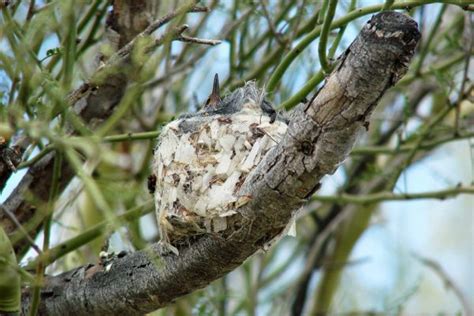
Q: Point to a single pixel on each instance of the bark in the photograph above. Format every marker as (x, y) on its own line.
(320, 136)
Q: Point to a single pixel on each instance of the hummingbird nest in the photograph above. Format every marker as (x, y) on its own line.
(202, 159)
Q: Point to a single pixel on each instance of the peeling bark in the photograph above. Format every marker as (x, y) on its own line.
(319, 138)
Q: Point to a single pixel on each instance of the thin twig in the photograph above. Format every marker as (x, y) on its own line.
(425, 131)
(168, 17)
(469, 38)
(373, 150)
(271, 25)
(22, 230)
(323, 39)
(345, 198)
(31, 10)
(448, 282)
(189, 39)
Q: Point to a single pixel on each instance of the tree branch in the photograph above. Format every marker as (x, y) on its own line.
(320, 136)
(389, 196)
(428, 145)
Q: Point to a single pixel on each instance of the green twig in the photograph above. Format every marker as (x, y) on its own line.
(375, 150)
(424, 132)
(465, 77)
(131, 136)
(107, 139)
(318, 77)
(133, 93)
(91, 12)
(40, 267)
(323, 39)
(69, 46)
(90, 185)
(388, 5)
(322, 12)
(439, 67)
(426, 47)
(299, 96)
(345, 198)
(90, 39)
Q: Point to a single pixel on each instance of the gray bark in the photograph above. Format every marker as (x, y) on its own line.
(320, 136)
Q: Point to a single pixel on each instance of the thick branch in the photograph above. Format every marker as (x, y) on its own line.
(320, 136)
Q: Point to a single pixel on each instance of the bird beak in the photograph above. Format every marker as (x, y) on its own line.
(214, 98)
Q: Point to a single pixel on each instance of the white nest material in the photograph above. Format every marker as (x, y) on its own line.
(201, 162)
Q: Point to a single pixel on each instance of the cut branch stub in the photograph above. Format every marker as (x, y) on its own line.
(319, 138)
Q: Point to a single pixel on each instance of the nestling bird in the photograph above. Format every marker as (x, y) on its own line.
(201, 160)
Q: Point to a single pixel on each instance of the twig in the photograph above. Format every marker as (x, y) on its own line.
(31, 10)
(345, 198)
(40, 267)
(426, 47)
(448, 282)
(433, 69)
(322, 12)
(189, 39)
(131, 136)
(309, 86)
(323, 39)
(465, 78)
(373, 150)
(195, 30)
(22, 230)
(168, 17)
(425, 131)
(312, 254)
(271, 25)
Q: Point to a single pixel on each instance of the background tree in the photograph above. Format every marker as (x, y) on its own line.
(86, 85)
